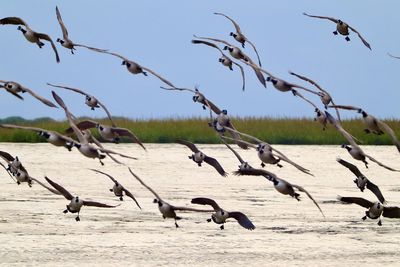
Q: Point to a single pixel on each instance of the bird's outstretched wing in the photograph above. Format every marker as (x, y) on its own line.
(60, 189)
(362, 39)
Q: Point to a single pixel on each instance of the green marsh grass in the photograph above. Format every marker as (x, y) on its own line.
(273, 130)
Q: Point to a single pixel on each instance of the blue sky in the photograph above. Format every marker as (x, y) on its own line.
(157, 35)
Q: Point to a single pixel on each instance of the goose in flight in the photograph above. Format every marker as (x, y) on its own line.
(83, 145)
(362, 181)
(281, 185)
(268, 154)
(135, 68)
(238, 54)
(118, 189)
(76, 202)
(342, 28)
(224, 59)
(29, 34)
(52, 137)
(354, 150)
(14, 88)
(373, 124)
(14, 164)
(375, 209)
(167, 210)
(109, 133)
(239, 36)
(220, 216)
(66, 42)
(200, 157)
(90, 100)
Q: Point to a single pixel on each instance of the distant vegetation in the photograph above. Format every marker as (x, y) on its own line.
(272, 130)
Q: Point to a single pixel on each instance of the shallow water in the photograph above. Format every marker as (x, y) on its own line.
(34, 231)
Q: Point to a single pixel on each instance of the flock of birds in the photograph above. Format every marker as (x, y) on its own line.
(79, 134)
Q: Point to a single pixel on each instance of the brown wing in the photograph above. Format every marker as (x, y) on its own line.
(211, 106)
(145, 185)
(107, 112)
(128, 133)
(190, 145)
(300, 188)
(345, 107)
(213, 39)
(69, 88)
(357, 200)
(375, 189)
(321, 17)
(129, 194)
(351, 167)
(5, 168)
(13, 20)
(45, 186)
(46, 37)
(6, 156)
(381, 164)
(114, 54)
(359, 35)
(242, 73)
(40, 98)
(208, 44)
(109, 176)
(60, 189)
(206, 201)
(236, 136)
(159, 77)
(390, 132)
(255, 50)
(60, 21)
(237, 28)
(391, 212)
(233, 151)
(91, 48)
(213, 162)
(104, 150)
(97, 204)
(390, 55)
(83, 125)
(12, 92)
(242, 219)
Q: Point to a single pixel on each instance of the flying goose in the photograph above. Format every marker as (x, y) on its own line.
(375, 209)
(76, 202)
(118, 189)
(373, 124)
(282, 186)
(90, 100)
(52, 137)
(14, 164)
(361, 181)
(244, 165)
(167, 210)
(66, 42)
(110, 133)
(265, 153)
(199, 157)
(239, 36)
(220, 216)
(325, 97)
(237, 53)
(14, 88)
(354, 150)
(342, 28)
(224, 59)
(83, 145)
(135, 68)
(390, 55)
(29, 34)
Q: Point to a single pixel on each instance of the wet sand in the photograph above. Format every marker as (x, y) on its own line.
(34, 231)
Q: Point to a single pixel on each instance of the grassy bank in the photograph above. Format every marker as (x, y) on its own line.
(276, 131)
